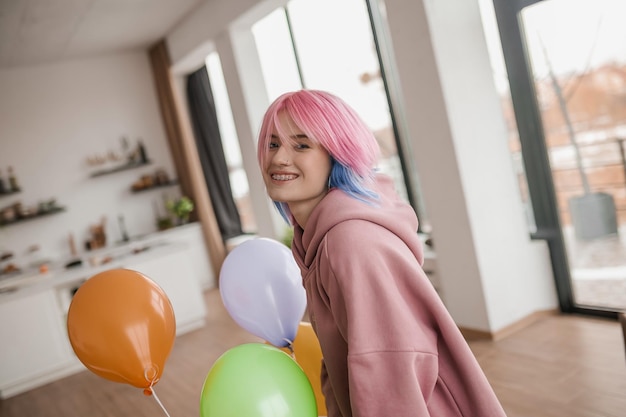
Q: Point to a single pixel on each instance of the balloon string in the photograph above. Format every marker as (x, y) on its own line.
(154, 394)
(151, 387)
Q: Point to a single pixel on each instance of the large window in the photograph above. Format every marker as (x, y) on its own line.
(304, 46)
(567, 115)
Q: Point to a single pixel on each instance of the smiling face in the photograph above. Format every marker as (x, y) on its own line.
(296, 169)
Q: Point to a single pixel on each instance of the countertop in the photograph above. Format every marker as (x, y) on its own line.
(29, 282)
(121, 253)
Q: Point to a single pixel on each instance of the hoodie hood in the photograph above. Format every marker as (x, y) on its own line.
(389, 211)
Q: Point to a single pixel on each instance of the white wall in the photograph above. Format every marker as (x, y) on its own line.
(52, 118)
(491, 273)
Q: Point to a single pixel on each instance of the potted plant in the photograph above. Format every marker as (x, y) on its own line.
(181, 208)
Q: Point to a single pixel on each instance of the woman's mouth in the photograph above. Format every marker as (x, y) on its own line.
(283, 177)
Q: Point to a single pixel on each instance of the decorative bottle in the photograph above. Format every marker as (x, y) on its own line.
(143, 157)
(13, 185)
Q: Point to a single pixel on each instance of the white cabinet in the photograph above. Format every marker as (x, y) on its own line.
(34, 348)
(173, 272)
(191, 236)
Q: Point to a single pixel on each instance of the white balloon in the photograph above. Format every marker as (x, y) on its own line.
(262, 290)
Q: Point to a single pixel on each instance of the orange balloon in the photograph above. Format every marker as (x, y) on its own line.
(121, 326)
(308, 354)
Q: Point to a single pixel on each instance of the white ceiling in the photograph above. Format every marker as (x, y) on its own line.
(39, 31)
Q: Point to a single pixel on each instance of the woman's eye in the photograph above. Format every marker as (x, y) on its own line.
(273, 145)
(302, 146)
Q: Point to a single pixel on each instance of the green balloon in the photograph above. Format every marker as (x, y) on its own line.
(257, 380)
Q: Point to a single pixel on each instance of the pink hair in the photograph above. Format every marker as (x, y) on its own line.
(325, 119)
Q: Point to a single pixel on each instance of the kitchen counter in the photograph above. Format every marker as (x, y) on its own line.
(120, 254)
(28, 282)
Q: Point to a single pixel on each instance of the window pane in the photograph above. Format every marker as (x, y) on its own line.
(579, 73)
(333, 52)
(322, 40)
(278, 62)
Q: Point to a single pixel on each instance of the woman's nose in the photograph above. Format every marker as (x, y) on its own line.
(282, 156)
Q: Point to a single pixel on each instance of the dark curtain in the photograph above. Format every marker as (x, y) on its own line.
(183, 149)
(211, 153)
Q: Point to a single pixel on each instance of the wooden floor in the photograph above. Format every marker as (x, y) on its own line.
(561, 366)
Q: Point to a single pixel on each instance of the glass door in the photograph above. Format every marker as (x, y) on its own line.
(566, 62)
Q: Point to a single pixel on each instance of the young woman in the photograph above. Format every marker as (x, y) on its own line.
(390, 346)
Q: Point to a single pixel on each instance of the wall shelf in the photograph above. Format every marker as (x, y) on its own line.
(131, 165)
(50, 212)
(167, 184)
(6, 193)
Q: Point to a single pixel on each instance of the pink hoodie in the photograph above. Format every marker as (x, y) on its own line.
(390, 346)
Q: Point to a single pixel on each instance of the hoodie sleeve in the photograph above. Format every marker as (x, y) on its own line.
(379, 298)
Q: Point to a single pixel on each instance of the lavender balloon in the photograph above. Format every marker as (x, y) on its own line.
(262, 290)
